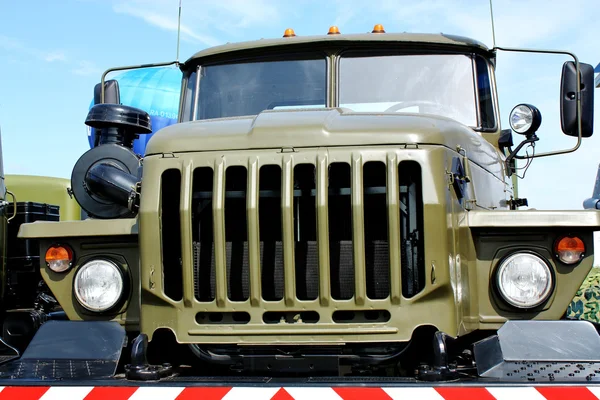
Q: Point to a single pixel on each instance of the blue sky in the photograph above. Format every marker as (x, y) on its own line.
(53, 52)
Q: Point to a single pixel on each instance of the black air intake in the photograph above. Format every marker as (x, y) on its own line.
(105, 179)
(118, 124)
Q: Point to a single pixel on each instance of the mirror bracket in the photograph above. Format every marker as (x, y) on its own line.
(531, 138)
(577, 99)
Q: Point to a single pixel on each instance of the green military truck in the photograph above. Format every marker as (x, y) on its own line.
(327, 206)
(26, 302)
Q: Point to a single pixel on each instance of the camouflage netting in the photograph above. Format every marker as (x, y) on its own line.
(586, 304)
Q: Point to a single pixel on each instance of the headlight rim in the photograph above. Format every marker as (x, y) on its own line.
(518, 307)
(124, 285)
(536, 119)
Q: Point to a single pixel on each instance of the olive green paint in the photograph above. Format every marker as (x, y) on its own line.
(267, 46)
(45, 189)
(464, 239)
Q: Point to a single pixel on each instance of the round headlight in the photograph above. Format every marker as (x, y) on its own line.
(525, 119)
(524, 280)
(98, 285)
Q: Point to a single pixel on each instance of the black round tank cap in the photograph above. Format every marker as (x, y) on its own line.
(108, 115)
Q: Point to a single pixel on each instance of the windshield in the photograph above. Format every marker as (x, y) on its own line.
(440, 84)
(231, 90)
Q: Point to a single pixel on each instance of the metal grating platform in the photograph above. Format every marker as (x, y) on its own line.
(547, 372)
(57, 369)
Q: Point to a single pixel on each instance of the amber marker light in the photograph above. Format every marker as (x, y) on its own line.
(569, 249)
(59, 258)
(333, 30)
(289, 32)
(378, 29)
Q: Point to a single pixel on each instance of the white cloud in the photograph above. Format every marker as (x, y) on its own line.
(163, 21)
(207, 17)
(9, 43)
(521, 23)
(344, 14)
(55, 56)
(14, 45)
(86, 68)
(244, 13)
(517, 22)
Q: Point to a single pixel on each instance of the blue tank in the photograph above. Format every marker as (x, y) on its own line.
(154, 90)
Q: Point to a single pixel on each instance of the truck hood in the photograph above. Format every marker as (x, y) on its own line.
(318, 128)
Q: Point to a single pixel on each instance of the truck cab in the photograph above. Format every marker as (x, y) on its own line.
(326, 204)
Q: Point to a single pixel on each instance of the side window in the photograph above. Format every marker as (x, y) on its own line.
(484, 87)
(188, 100)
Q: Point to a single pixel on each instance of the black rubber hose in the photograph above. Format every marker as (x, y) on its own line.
(57, 315)
(112, 183)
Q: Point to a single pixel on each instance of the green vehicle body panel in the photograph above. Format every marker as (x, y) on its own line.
(456, 298)
(322, 128)
(27, 188)
(116, 239)
(45, 189)
(87, 227)
(264, 46)
(463, 240)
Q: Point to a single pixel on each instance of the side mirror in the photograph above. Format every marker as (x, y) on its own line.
(568, 100)
(111, 92)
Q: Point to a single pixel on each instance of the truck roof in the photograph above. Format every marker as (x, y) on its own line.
(412, 38)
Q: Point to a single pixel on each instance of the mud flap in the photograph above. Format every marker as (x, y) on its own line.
(70, 350)
(541, 351)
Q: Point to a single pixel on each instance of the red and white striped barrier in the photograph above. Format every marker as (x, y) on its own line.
(299, 393)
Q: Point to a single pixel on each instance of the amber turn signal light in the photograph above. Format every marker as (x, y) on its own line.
(59, 258)
(378, 29)
(569, 249)
(289, 32)
(333, 30)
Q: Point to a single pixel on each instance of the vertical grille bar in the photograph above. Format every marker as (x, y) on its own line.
(358, 231)
(253, 231)
(219, 232)
(287, 218)
(323, 230)
(393, 205)
(187, 251)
